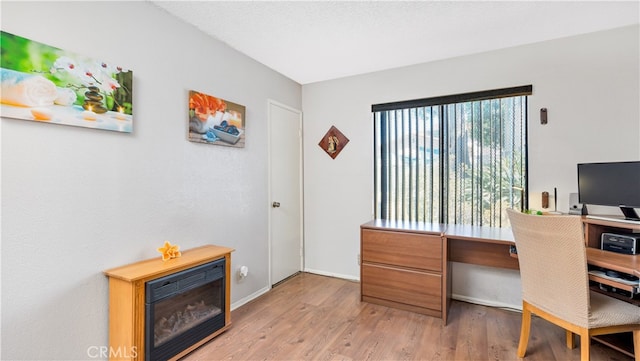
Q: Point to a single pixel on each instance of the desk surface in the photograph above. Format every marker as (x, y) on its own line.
(479, 233)
(457, 231)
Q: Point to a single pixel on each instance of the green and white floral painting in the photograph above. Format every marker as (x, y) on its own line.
(47, 84)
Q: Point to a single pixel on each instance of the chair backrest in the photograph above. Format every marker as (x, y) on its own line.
(553, 264)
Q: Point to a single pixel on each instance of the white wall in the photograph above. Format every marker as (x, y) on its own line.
(589, 84)
(77, 201)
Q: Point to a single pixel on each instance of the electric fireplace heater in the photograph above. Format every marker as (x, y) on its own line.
(183, 308)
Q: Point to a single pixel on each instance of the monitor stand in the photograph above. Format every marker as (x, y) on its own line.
(629, 213)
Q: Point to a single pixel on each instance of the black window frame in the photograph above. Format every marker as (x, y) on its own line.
(442, 102)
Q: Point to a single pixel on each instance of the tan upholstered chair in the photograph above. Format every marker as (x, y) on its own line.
(555, 283)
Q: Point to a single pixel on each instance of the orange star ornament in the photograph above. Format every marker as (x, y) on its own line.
(169, 251)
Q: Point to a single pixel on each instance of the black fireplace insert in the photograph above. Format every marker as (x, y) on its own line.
(183, 308)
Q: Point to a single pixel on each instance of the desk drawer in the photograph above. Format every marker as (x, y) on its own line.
(403, 286)
(402, 249)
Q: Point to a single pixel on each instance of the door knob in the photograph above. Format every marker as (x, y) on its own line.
(275, 204)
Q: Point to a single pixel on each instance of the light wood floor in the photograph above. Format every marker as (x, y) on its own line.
(311, 317)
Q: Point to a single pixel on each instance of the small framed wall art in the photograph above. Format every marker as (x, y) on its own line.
(215, 121)
(333, 142)
(51, 85)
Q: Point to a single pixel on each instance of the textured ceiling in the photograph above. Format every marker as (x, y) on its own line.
(310, 41)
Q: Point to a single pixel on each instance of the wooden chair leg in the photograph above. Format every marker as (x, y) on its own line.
(585, 343)
(571, 340)
(636, 344)
(524, 330)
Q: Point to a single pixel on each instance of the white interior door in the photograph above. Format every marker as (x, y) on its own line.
(285, 191)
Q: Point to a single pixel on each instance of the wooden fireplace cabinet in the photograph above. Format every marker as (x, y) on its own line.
(127, 299)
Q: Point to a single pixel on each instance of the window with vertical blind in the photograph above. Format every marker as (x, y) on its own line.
(452, 159)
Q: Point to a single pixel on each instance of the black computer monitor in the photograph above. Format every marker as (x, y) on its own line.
(611, 184)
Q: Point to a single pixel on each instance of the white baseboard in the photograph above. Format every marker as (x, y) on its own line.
(484, 302)
(336, 275)
(250, 298)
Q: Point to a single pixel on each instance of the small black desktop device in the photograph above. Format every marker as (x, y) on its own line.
(614, 184)
(626, 243)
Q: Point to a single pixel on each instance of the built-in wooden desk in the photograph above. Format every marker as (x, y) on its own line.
(381, 240)
(404, 265)
(407, 264)
(486, 246)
